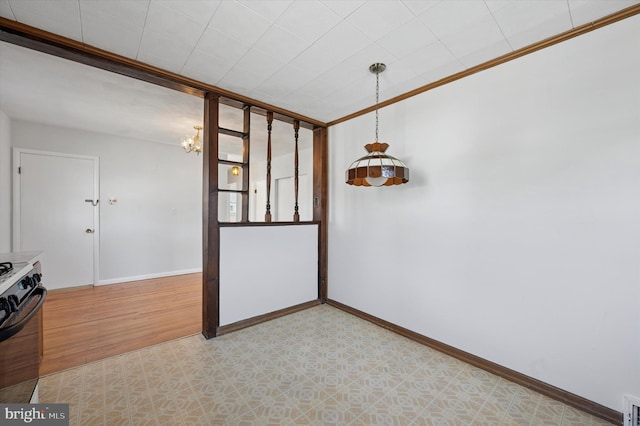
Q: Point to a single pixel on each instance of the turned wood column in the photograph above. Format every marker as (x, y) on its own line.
(296, 128)
(267, 215)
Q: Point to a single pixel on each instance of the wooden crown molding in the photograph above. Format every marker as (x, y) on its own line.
(583, 29)
(47, 42)
(57, 45)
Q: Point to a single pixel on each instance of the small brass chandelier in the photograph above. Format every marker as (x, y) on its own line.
(192, 144)
(377, 168)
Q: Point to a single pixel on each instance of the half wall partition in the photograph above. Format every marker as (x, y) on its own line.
(264, 232)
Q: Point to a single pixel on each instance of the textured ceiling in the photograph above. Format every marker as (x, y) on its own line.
(307, 56)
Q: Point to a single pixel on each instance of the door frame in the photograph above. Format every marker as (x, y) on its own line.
(17, 198)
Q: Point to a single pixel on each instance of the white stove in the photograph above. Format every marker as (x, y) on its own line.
(13, 273)
(22, 295)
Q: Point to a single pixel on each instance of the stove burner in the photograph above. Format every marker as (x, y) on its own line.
(5, 268)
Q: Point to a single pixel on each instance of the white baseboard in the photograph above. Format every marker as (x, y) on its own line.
(148, 276)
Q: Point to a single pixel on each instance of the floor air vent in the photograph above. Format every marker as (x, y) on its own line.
(632, 411)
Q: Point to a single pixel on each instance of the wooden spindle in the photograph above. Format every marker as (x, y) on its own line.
(296, 128)
(267, 215)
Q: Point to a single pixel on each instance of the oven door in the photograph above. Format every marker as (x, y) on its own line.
(21, 350)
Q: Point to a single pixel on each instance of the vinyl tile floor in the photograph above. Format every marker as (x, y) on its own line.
(320, 366)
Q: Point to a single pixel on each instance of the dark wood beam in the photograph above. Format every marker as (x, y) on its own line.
(63, 47)
(210, 228)
(320, 205)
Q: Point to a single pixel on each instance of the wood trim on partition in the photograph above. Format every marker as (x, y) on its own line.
(210, 228)
(266, 317)
(246, 146)
(267, 215)
(536, 385)
(321, 205)
(583, 29)
(251, 224)
(57, 45)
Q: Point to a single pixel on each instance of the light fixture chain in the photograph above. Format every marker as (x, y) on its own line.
(377, 98)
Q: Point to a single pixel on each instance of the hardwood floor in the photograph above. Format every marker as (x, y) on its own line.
(86, 324)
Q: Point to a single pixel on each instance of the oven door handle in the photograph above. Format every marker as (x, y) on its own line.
(7, 332)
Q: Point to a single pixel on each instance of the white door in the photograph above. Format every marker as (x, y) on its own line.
(285, 199)
(55, 214)
(259, 201)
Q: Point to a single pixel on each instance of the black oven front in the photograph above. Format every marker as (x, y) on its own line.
(21, 297)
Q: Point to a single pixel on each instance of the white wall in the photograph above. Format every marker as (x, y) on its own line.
(266, 268)
(518, 237)
(155, 227)
(5, 183)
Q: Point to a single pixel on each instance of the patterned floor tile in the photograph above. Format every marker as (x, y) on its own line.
(320, 366)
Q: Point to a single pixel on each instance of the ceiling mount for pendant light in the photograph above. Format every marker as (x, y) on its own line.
(377, 168)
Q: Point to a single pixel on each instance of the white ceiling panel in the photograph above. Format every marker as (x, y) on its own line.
(5, 10)
(371, 54)
(203, 66)
(427, 58)
(199, 11)
(449, 17)
(342, 42)
(260, 63)
(485, 53)
(359, 93)
(60, 17)
(163, 51)
(585, 11)
(515, 17)
(407, 38)
(308, 19)
(437, 73)
(118, 29)
(281, 83)
(525, 22)
(546, 29)
(219, 44)
(325, 85)
(169, 23)
(112, 38)
(308, 56)
(239, 22)
(343, 8)
(120, 13)
(479, 34)
(242, 79)
(377, 18)
(271, 10)
(275, 38)
(419, 6)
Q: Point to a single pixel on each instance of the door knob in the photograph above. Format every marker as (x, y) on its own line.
(89, 231)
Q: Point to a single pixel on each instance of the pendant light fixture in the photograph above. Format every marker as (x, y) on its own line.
(377, 168)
